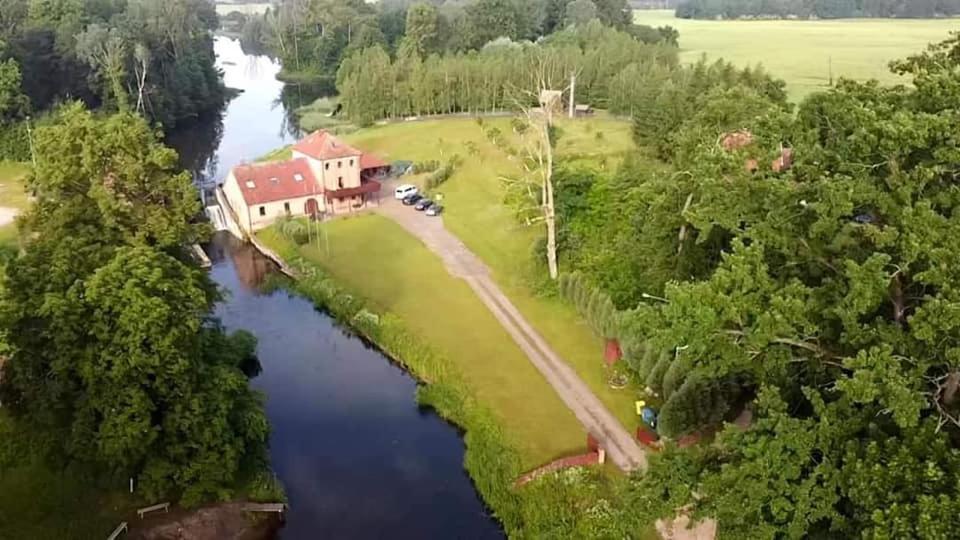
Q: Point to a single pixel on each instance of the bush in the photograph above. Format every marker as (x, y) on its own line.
(14, 142)
(444, 173)
(428, 166)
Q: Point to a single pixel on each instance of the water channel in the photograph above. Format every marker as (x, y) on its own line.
(358, 457)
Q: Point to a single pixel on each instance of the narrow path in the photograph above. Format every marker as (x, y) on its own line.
(461, 262)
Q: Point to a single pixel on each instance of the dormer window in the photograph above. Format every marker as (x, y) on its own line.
(250, 184)
(274, 180)
(298, 177)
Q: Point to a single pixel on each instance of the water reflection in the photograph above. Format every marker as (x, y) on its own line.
(356, 454)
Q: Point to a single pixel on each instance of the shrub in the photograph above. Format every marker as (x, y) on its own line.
(427, 166)
(444, 173)
(14, 142)
(519, 125)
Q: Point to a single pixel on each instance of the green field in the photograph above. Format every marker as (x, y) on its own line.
(801, 52)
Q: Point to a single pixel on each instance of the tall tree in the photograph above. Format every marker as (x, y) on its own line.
(105, 49)
(114, 355)
(422, 29)
(580, 12)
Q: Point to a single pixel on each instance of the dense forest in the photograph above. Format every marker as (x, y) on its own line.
(820, 9)
(155, 58)
(313, 38)
(791, 263)
(614, 70)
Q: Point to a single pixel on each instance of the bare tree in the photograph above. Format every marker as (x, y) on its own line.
(141, 53)
(539, 164)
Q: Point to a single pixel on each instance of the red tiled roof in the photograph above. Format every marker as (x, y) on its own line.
(322, 145)
(269, 182)
(370, 186)
(370, 161)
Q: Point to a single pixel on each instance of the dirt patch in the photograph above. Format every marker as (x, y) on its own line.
(217, 522)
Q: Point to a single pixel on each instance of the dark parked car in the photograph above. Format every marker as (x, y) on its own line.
(423, 205)
(411, 200)
(434, 210)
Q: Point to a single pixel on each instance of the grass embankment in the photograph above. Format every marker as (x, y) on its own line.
(476, 213)
(426, 305)
(374, 258)
(801, 52)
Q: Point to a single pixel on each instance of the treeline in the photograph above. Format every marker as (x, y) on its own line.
(788, 266)
(820, 9)
(496, 78)
(614, 71)
(314, 37)
(145, 55)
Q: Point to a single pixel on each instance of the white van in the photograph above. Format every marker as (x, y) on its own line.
(404, 191)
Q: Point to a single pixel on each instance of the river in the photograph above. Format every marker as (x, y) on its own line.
(356, 454)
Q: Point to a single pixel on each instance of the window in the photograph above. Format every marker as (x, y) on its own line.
(274, 180)
(339, 164)
(263, 210)
(250, 184)
(326, 166)
(298, 177)
(340, 181)
(286, 207)
(351, 163)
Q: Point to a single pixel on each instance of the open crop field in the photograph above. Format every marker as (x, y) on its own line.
(801, 52)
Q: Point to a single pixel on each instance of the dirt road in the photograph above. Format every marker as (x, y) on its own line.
(461, 262)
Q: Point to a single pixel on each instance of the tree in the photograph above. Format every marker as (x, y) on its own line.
(580, 12)
(106, 51)
(833, 315)
(13, 104)
(491, 19)
(422, 29)
(115, 358)
(615, 13)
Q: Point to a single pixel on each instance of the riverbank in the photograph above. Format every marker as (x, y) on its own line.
(569, 504)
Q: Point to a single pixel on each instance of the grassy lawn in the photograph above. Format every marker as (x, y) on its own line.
(374, 257)
(800, 52)
(476, 214)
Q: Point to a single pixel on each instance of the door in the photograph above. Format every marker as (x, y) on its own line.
(311, 208)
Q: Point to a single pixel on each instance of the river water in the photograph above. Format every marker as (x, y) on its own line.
(356, 454)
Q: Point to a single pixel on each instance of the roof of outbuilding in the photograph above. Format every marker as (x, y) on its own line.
(270, 182)
(370, 161)
(323, 145)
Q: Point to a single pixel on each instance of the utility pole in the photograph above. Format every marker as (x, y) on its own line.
(573, 91)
